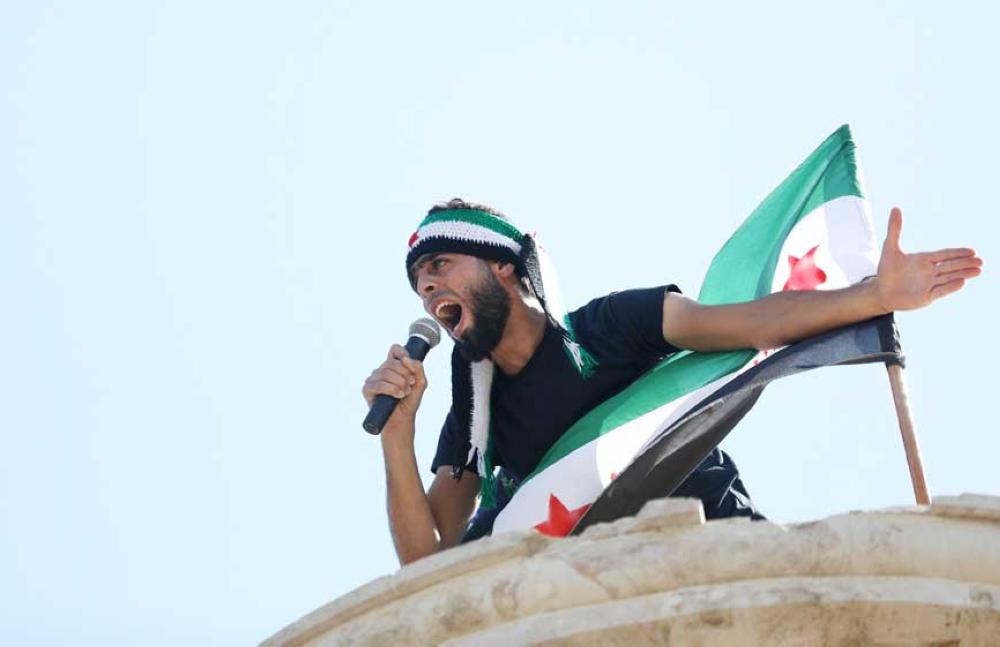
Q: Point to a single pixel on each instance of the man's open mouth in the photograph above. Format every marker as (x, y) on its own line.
(449, 314)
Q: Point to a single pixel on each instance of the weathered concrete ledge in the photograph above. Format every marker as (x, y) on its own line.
(774, 612)
(918, 575)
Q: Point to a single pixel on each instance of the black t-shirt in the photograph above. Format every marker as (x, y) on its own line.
(531, 410)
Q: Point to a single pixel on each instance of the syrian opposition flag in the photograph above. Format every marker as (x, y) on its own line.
(814, 232)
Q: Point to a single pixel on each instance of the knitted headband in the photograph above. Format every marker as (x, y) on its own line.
(466, 231)
(485, 235)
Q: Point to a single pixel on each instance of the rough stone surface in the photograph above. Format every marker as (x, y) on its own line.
(657, 515)
(967, 506)
(783, 611)
(905, 576)
(410, 579)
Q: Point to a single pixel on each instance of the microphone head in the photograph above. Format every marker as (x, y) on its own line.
(428, 329)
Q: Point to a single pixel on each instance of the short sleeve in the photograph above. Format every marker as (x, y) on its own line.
(449, 445)
(624, 327)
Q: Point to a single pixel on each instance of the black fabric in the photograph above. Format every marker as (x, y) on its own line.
(716, 482)
(531, 410)
(459, 417)
(482, 521)
(485, 251)
(681, 446)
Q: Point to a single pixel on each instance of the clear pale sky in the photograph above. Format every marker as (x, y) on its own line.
(204, 208)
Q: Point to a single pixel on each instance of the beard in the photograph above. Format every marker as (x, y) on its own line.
(490, 306)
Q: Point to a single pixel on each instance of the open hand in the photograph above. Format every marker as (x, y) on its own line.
(909, 281)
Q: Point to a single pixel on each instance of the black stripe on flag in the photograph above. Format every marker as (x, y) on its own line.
(679, 449)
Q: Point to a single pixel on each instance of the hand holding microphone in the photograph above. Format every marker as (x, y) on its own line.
(400, 380)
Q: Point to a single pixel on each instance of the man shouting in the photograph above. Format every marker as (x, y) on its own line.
(523, 373)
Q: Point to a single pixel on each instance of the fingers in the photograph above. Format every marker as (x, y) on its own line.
(959, 268)
(959, 263)
(947, 288)
(967, 273)
(400, 362)
(374, 387)
(398, 376)
(416, 370)
(943, 255)
(397, 352)
(895, 228)
(952, 273)
(388, 382)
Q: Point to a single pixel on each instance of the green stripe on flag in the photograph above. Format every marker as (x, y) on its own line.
(672, 378)
(742, 270)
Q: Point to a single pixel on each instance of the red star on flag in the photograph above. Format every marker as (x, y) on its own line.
(561, 520)
(804, 273)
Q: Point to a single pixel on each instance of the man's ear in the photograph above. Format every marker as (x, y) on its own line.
(506, 273)
(503, 270)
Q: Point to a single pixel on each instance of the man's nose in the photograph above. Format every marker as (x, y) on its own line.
(425, 284)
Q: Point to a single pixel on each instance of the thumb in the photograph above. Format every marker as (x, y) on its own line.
(895, 228)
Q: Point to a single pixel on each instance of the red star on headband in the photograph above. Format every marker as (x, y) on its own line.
(805, 275)
(413, 239)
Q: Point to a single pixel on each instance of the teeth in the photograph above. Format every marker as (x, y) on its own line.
(441, 306)
(449, 313)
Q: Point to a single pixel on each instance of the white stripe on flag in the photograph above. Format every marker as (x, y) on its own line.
(841, 234)
(842, 230)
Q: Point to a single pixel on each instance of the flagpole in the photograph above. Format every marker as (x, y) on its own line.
(909, 433)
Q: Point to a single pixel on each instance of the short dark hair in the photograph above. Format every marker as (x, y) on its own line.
(459, 203)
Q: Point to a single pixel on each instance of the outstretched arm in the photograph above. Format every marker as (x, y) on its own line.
(904, 282)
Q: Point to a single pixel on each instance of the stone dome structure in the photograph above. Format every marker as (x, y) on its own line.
(927, 576)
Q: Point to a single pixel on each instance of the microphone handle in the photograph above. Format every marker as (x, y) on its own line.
(383, 405)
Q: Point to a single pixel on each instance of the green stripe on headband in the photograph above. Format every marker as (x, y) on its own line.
(475, 217)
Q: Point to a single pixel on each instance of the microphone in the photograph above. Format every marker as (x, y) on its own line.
(424, 335)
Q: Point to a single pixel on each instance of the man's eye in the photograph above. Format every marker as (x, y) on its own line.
(438, 263)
